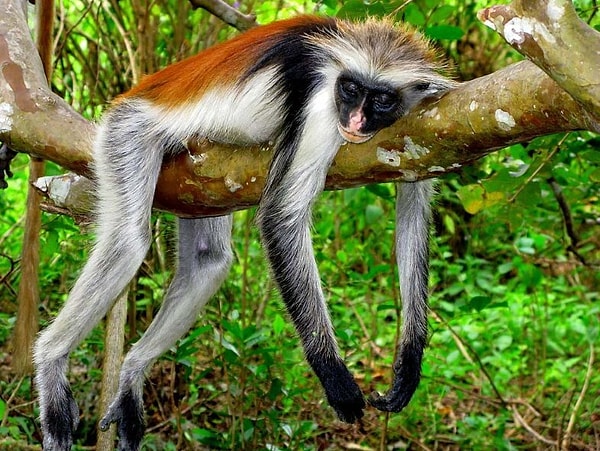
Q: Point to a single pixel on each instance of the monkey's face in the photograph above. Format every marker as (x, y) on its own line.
(365, 108)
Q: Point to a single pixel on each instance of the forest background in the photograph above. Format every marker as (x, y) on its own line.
(515, 292)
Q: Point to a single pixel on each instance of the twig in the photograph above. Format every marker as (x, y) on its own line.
(11, 229)
(227, 13)
(586, 384)
(538, 169)
(413, 439)
(567, 219)
(457, 340)
(363, 326)
(9, 400)
(383, 436)
(520, 420)
(400, 8)
(478, 361)
(128, 45)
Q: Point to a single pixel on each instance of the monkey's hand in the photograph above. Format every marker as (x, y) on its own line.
(342, 392)
(6, 155)
(127, 411)
(407, 374)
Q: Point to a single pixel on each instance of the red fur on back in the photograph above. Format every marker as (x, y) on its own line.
(221, 65)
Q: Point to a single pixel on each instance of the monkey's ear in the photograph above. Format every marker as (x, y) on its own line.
(433, 87)
(414, 93)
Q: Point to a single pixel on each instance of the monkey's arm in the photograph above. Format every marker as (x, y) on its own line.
(287, 242)
(296, 176)
(413, 215)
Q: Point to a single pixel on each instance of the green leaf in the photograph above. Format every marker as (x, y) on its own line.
(503, 342)
(478, 303)
(228, 345)
(590, 155)
(505, 268)
(525, 245)
(351, 195)
(444, 32)
(449, 224)
(287, 429)
(278, 325)
(276, 389)
(373, 213)
(356, 9)
(471, 197)
(441, 14)
(388, 305)
(414, 16)
(530, 275)
(383, 190)
(202, 435)
(595, 176)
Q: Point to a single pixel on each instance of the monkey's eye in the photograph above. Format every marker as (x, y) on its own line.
(350, 88)
(384, 102)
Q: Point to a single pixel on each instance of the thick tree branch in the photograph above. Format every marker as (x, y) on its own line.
(32, 118)
(509, 106)
(549, 33)
(512, 105)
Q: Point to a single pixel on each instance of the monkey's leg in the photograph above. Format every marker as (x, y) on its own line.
(413, 215)
(284, 219)
(203, 263)
(127, 168)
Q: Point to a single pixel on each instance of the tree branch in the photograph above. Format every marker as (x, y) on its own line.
(32, 118)
(512, 105)
(550, 34)
(227, 13)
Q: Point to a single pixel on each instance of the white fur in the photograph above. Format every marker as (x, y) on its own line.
(250, 114)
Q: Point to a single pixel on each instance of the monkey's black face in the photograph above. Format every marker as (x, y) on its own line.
(365, 108)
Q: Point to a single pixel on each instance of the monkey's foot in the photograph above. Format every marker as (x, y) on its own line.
(343, 393)
(6, 155)
(406, 381)
(59, 420)
(128, 412)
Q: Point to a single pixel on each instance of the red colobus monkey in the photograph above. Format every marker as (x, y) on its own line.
(305, 84)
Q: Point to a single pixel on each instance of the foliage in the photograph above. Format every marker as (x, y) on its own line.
(515, 299)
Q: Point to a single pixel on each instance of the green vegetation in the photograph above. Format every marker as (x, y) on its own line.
(513, 356)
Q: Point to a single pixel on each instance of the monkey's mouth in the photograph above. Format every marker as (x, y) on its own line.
(352, 136)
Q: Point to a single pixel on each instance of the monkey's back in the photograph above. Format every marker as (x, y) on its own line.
(226, 63)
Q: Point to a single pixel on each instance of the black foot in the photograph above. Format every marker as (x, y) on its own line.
(6, 155)
(59, 420)
(128, 412)
(392, 401)
(406, 381)
(343, 393)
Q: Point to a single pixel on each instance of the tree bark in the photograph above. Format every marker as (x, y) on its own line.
(27, 324)
(550, 34)
(512, 105)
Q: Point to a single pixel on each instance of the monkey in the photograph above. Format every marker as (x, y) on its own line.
(306, 85)
(6, 156)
